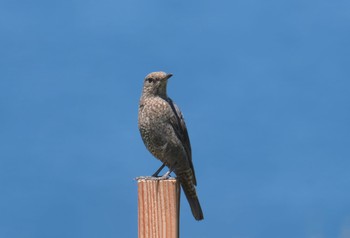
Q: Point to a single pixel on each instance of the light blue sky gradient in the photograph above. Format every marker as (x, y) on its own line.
(264, 87)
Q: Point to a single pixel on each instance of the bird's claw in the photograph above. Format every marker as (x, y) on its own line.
(164, 177)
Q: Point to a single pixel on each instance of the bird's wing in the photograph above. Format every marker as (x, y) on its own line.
(178, 123)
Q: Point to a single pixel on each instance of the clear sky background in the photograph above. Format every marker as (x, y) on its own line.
(264, 87)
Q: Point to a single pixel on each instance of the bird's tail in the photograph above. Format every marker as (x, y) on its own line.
(189, 189)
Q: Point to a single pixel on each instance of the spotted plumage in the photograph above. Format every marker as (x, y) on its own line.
(164, 133)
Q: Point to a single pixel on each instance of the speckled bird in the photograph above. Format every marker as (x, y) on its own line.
(164, 133)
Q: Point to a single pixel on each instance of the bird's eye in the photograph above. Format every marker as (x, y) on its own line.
(150, 80)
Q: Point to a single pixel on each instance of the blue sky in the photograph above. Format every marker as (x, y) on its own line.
(264, 87)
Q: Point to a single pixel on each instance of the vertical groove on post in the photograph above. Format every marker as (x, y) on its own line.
(158, 208)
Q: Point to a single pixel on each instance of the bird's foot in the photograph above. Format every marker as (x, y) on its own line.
(155, 176)
(164, 177)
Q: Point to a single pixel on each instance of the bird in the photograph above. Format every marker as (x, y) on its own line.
(164, 133)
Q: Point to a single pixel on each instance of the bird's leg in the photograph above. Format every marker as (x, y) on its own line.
(155, 175)
(158, 171)
(167, 174)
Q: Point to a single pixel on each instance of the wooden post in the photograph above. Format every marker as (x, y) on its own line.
(158, 208)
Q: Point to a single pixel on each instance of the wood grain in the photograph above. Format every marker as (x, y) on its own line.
(158, 208)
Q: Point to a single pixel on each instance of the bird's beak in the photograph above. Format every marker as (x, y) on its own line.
(168, 76)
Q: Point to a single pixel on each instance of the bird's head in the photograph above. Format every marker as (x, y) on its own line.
(155, 84)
